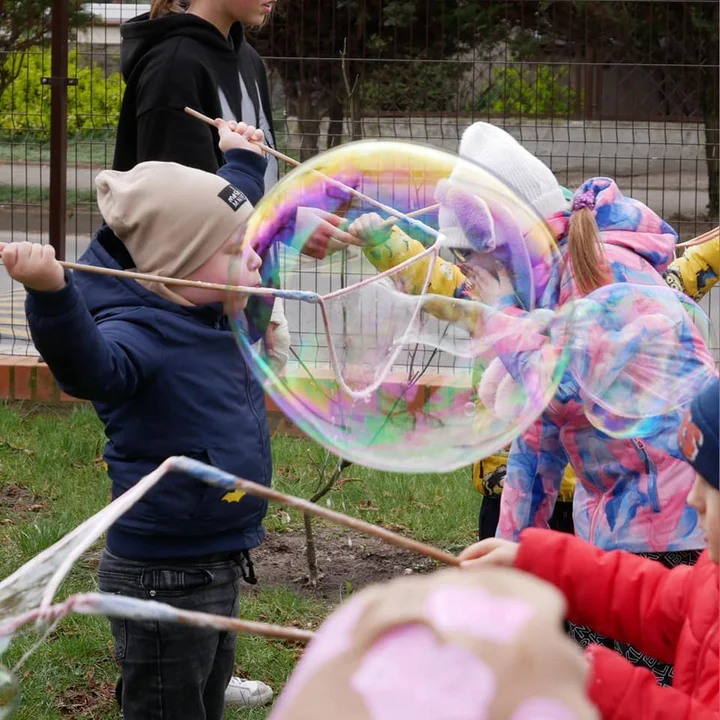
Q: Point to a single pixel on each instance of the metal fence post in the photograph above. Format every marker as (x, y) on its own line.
(58, 124)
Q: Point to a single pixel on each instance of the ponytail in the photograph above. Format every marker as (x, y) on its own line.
(158, 8)
(587, 258)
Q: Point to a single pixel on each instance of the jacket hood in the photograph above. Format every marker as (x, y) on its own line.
(141, 34)
(622, 222)
(110, 296)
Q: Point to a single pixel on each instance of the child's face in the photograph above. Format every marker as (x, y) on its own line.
(232, 264)
(706, 500)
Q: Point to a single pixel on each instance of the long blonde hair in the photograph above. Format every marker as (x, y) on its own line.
(587, 256)
(158, 8)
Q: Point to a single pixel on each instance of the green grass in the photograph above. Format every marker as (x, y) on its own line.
(52, 457)
(33, 195)
(439, 509)
(97, 151)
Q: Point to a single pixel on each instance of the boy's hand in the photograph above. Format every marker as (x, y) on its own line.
(34, 265)
(239, 136)
(493, 551)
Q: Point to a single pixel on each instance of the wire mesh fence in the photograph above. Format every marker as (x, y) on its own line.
(600, 87)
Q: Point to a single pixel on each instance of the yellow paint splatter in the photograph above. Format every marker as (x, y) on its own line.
(234, 496)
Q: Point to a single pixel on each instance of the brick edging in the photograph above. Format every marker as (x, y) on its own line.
(29, 379)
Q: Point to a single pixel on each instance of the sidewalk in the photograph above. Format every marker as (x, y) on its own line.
(36, 175)
(669, 194)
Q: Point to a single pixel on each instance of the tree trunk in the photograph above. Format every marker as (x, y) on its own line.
(308, 124)
(326, 487)
(712, 156)
(310, 553)
(709, 99)
(337, 116)
(356, 116)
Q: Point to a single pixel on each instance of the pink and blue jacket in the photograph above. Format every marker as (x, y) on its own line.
(631, 494)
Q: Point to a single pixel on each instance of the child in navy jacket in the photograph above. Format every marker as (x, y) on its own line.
(164, 374)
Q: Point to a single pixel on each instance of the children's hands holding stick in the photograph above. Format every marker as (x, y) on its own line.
(370, 229)
(493, 551)
(239, 136)
(34, 265)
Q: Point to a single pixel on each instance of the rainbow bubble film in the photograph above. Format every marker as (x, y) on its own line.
(639, 353)
(402, 361)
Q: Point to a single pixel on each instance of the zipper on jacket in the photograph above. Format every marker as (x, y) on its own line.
(248, 395)
(594, 518)
(651, 472)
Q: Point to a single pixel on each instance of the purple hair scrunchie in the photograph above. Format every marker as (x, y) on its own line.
(584, 200)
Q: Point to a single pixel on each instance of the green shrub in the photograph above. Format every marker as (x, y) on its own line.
(530, 89)
(93, 104)
(412, 86)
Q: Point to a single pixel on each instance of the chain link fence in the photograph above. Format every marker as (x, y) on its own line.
(598, 87)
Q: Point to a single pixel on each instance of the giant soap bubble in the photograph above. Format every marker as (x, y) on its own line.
(639, 353)
(398, 367)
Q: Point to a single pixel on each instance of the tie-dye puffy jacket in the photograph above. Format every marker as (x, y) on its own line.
(631, 494)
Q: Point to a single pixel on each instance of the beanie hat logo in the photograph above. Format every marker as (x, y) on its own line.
(691, 438)
(233, 197)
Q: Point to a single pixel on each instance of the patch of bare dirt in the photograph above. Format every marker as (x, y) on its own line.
(92, 700)
(348, 561)
(16, 499)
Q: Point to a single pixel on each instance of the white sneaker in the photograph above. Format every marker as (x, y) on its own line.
(247, 693)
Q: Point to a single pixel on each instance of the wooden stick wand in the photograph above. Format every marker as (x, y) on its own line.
(219, 478)
(292, 161)
(147, 277)
(713, 234)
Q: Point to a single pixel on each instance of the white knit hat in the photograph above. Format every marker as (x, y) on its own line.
(499, 152)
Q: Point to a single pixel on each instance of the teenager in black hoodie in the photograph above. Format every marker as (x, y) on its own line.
(194, 54)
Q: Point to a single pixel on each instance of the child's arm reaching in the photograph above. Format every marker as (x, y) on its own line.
(245, 161)
(387, 248)
(629, 598)
(87, 362)
(697, 271)
(622, 691)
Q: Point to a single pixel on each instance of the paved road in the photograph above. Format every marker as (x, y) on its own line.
(668, 194)
(36, 175)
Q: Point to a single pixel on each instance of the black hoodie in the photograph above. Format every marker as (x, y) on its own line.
(176, 61)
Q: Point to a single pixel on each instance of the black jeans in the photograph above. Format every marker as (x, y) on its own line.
(171, 671)
(561, 520)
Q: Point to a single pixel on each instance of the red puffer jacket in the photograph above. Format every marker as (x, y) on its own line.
(671, 615)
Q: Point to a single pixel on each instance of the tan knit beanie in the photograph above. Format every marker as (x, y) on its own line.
(170, 217)
(457, 644)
